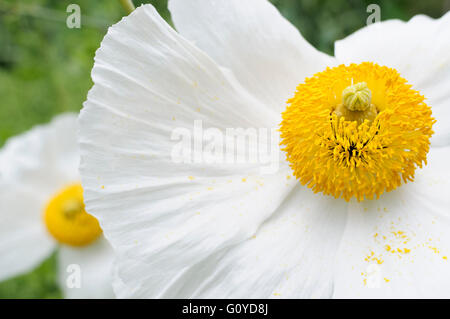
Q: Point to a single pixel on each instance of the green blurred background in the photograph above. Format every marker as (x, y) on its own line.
(45, 67)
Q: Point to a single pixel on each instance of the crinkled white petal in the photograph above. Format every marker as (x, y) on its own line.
(170, 222)
(33, 166)
(419, 50)
(86, 272)
(264, 51)
(161, 232)
(291, 255)
(399, 246)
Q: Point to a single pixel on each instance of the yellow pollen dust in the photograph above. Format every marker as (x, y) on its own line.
(356, 131)
(67, 220)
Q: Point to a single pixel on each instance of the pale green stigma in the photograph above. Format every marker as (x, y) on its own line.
(72, 207)
(357, 97)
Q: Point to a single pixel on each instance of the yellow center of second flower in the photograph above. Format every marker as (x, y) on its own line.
(356, 131)
(67, 221)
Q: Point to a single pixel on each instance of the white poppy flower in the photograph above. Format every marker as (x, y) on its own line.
(224, 230)
(42, 209)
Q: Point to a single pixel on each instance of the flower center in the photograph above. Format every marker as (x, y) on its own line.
(356, 140)
(67, 220)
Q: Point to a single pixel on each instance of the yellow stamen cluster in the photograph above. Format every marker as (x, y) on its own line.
(67, 220)
(349, 155)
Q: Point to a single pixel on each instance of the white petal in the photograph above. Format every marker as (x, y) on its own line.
(145, 70)
(163, 216)
(265, 52)
(94, 263)
(33, 166)
(117, 283)
(419, 50)
(43, 159)
(24, 242)
(415, 217)
(161, 232)
(290, 256)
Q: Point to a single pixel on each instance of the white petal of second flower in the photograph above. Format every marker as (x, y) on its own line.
(33, 166)
(24, 242)
(44, 159)
(93, 264)
(265, 52)
(419, 50)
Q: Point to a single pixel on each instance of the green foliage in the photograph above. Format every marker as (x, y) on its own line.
(40, 283)
(45, 67)
(322, 22)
